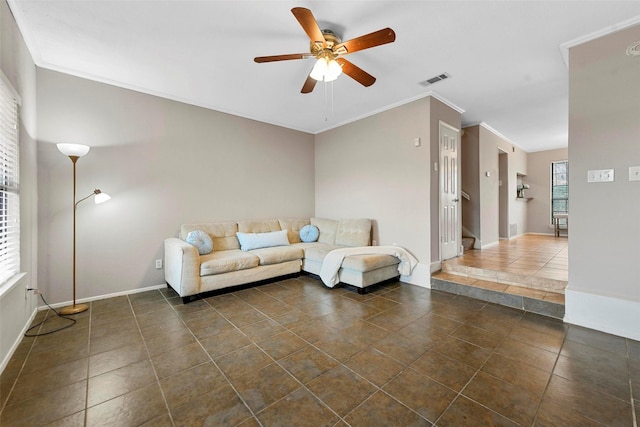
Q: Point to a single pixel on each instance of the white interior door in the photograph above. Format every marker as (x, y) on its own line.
(450, 219)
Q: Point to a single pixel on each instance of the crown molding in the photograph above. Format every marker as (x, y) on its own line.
(564, 47)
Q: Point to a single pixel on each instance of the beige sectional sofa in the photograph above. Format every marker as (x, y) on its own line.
(189, 273)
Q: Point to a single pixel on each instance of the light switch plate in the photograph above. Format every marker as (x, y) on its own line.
(601, 175)
(634, 173)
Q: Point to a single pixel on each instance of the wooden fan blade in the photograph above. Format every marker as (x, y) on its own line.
(377, 38)
(356, 73)
(308, 85)
(309, 24)
(288, 57)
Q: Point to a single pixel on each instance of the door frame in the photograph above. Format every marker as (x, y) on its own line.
(440, 189)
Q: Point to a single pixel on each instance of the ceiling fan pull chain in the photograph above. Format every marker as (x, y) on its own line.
(326, 103)
(332, 111)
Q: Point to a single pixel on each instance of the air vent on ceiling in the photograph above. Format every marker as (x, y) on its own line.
(435, 79)
(634, 49)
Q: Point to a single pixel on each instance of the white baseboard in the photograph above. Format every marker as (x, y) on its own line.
(603, 313)
(115, 294)
(421, 276)
(435, 266)
(17, 342)
(488, 245)
(517, 235)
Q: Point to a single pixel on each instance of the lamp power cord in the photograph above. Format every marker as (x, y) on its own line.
(73, 321)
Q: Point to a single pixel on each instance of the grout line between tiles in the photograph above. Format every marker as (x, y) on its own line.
(546, 387)
(493, 351)
(633, 405)
(155, 372)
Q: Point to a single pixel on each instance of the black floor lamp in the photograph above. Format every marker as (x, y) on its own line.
(74, 152)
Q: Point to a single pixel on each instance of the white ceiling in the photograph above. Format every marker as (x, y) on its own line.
(505, 57)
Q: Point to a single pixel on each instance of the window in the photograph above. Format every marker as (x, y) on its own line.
(560, 190)
(9, 185)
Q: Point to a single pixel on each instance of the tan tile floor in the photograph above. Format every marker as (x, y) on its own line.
(530, 265)
(293, 353)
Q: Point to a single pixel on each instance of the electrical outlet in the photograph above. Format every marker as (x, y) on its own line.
(158, 263)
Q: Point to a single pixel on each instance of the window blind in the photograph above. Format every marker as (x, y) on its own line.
(559, 190)
(9, 185)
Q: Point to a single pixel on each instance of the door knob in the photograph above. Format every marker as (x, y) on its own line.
(456, 200)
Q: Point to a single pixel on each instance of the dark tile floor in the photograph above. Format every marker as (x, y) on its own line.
(295, 353)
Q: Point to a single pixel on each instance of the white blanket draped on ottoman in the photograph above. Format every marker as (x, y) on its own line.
(332, 262)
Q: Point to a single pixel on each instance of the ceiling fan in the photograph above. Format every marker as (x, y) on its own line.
(329, 50)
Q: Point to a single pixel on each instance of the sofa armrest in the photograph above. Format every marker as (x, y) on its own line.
(181, 266)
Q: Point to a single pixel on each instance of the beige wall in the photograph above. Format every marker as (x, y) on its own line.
(489, 194)
(470, 151)
(539, 178)
(164, 163)
(18, 67)
(517, 164)
(604, 133)
(480, 150)
(371, 168)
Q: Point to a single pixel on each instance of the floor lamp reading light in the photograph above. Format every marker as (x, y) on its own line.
(74, 152)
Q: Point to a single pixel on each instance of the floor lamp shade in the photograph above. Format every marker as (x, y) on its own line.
(74, 152)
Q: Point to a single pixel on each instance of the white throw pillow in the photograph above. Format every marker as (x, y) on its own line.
(249, 241)
(200, 240)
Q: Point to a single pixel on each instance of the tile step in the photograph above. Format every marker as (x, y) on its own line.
(516, 279)
(522, 302)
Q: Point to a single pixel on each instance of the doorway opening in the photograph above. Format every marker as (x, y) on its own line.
(503, 195)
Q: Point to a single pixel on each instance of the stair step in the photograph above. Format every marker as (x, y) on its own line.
(468, 242)
(521, 302)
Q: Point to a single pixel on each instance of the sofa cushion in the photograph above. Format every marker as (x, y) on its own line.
(225, 261)
(259, 226)
(353, 232)
(278, 254)
(317, 252)
(201, 240)
(223, 234)
(368, 262)
(328, 229)
(249, 241)
(309, 233)
(293, 227)
(361, 263)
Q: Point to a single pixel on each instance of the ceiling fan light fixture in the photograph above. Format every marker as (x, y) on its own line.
(320, 69)
(326, 70)
(333, 71)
